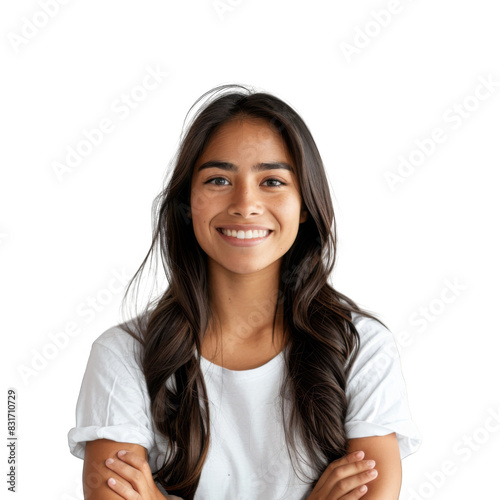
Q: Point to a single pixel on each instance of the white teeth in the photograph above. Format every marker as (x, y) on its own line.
(245, 235)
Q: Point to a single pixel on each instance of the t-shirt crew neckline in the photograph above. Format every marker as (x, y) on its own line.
(253, 373)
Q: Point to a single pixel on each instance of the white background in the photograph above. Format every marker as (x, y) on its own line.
(62, 238)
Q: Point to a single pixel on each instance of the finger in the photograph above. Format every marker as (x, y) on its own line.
(115, 474)
(121, 489)
(345, 472)
(136, 461)
(343, 478)
(355, 494)
(147, 483)
(131, 471)
(353, 457)
(352, 486)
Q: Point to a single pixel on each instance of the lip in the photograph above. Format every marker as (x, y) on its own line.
(238, 242)
(243, 227)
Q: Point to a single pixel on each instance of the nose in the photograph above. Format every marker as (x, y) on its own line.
(245, 200)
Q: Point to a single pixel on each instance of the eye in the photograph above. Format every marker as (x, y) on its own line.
(275, 180)
(210, 181)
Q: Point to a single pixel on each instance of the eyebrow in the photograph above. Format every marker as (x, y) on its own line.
(258, 167)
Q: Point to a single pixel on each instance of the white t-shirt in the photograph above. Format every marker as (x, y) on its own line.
(247, 457)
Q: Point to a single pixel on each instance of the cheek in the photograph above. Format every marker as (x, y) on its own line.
(199, 227)
(289, 209)
(196, 203)
(201, 235)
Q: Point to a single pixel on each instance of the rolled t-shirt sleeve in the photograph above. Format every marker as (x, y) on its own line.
(113, 402)
(376, 390)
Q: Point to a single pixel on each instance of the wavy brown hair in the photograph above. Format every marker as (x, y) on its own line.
(322, 340)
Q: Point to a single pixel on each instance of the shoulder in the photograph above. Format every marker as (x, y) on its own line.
(370, 330)
(117, 339)
(377, 348)
(117, 347)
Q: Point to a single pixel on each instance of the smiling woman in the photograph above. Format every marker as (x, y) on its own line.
(250, 195)
(250, 376)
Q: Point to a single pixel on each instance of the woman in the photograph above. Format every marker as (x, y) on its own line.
(250, 376)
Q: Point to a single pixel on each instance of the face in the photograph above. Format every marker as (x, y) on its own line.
(258, 209)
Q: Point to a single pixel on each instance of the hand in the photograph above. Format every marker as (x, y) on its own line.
(345, 478)
(134, 469)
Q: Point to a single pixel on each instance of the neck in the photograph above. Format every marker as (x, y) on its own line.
(243, 306)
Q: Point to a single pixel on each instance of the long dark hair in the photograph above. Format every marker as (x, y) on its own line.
(322, 340)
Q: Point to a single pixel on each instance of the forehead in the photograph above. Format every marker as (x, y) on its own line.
(245, 138)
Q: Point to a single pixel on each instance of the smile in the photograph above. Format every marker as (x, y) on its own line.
(244, 238)
(247, 235)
